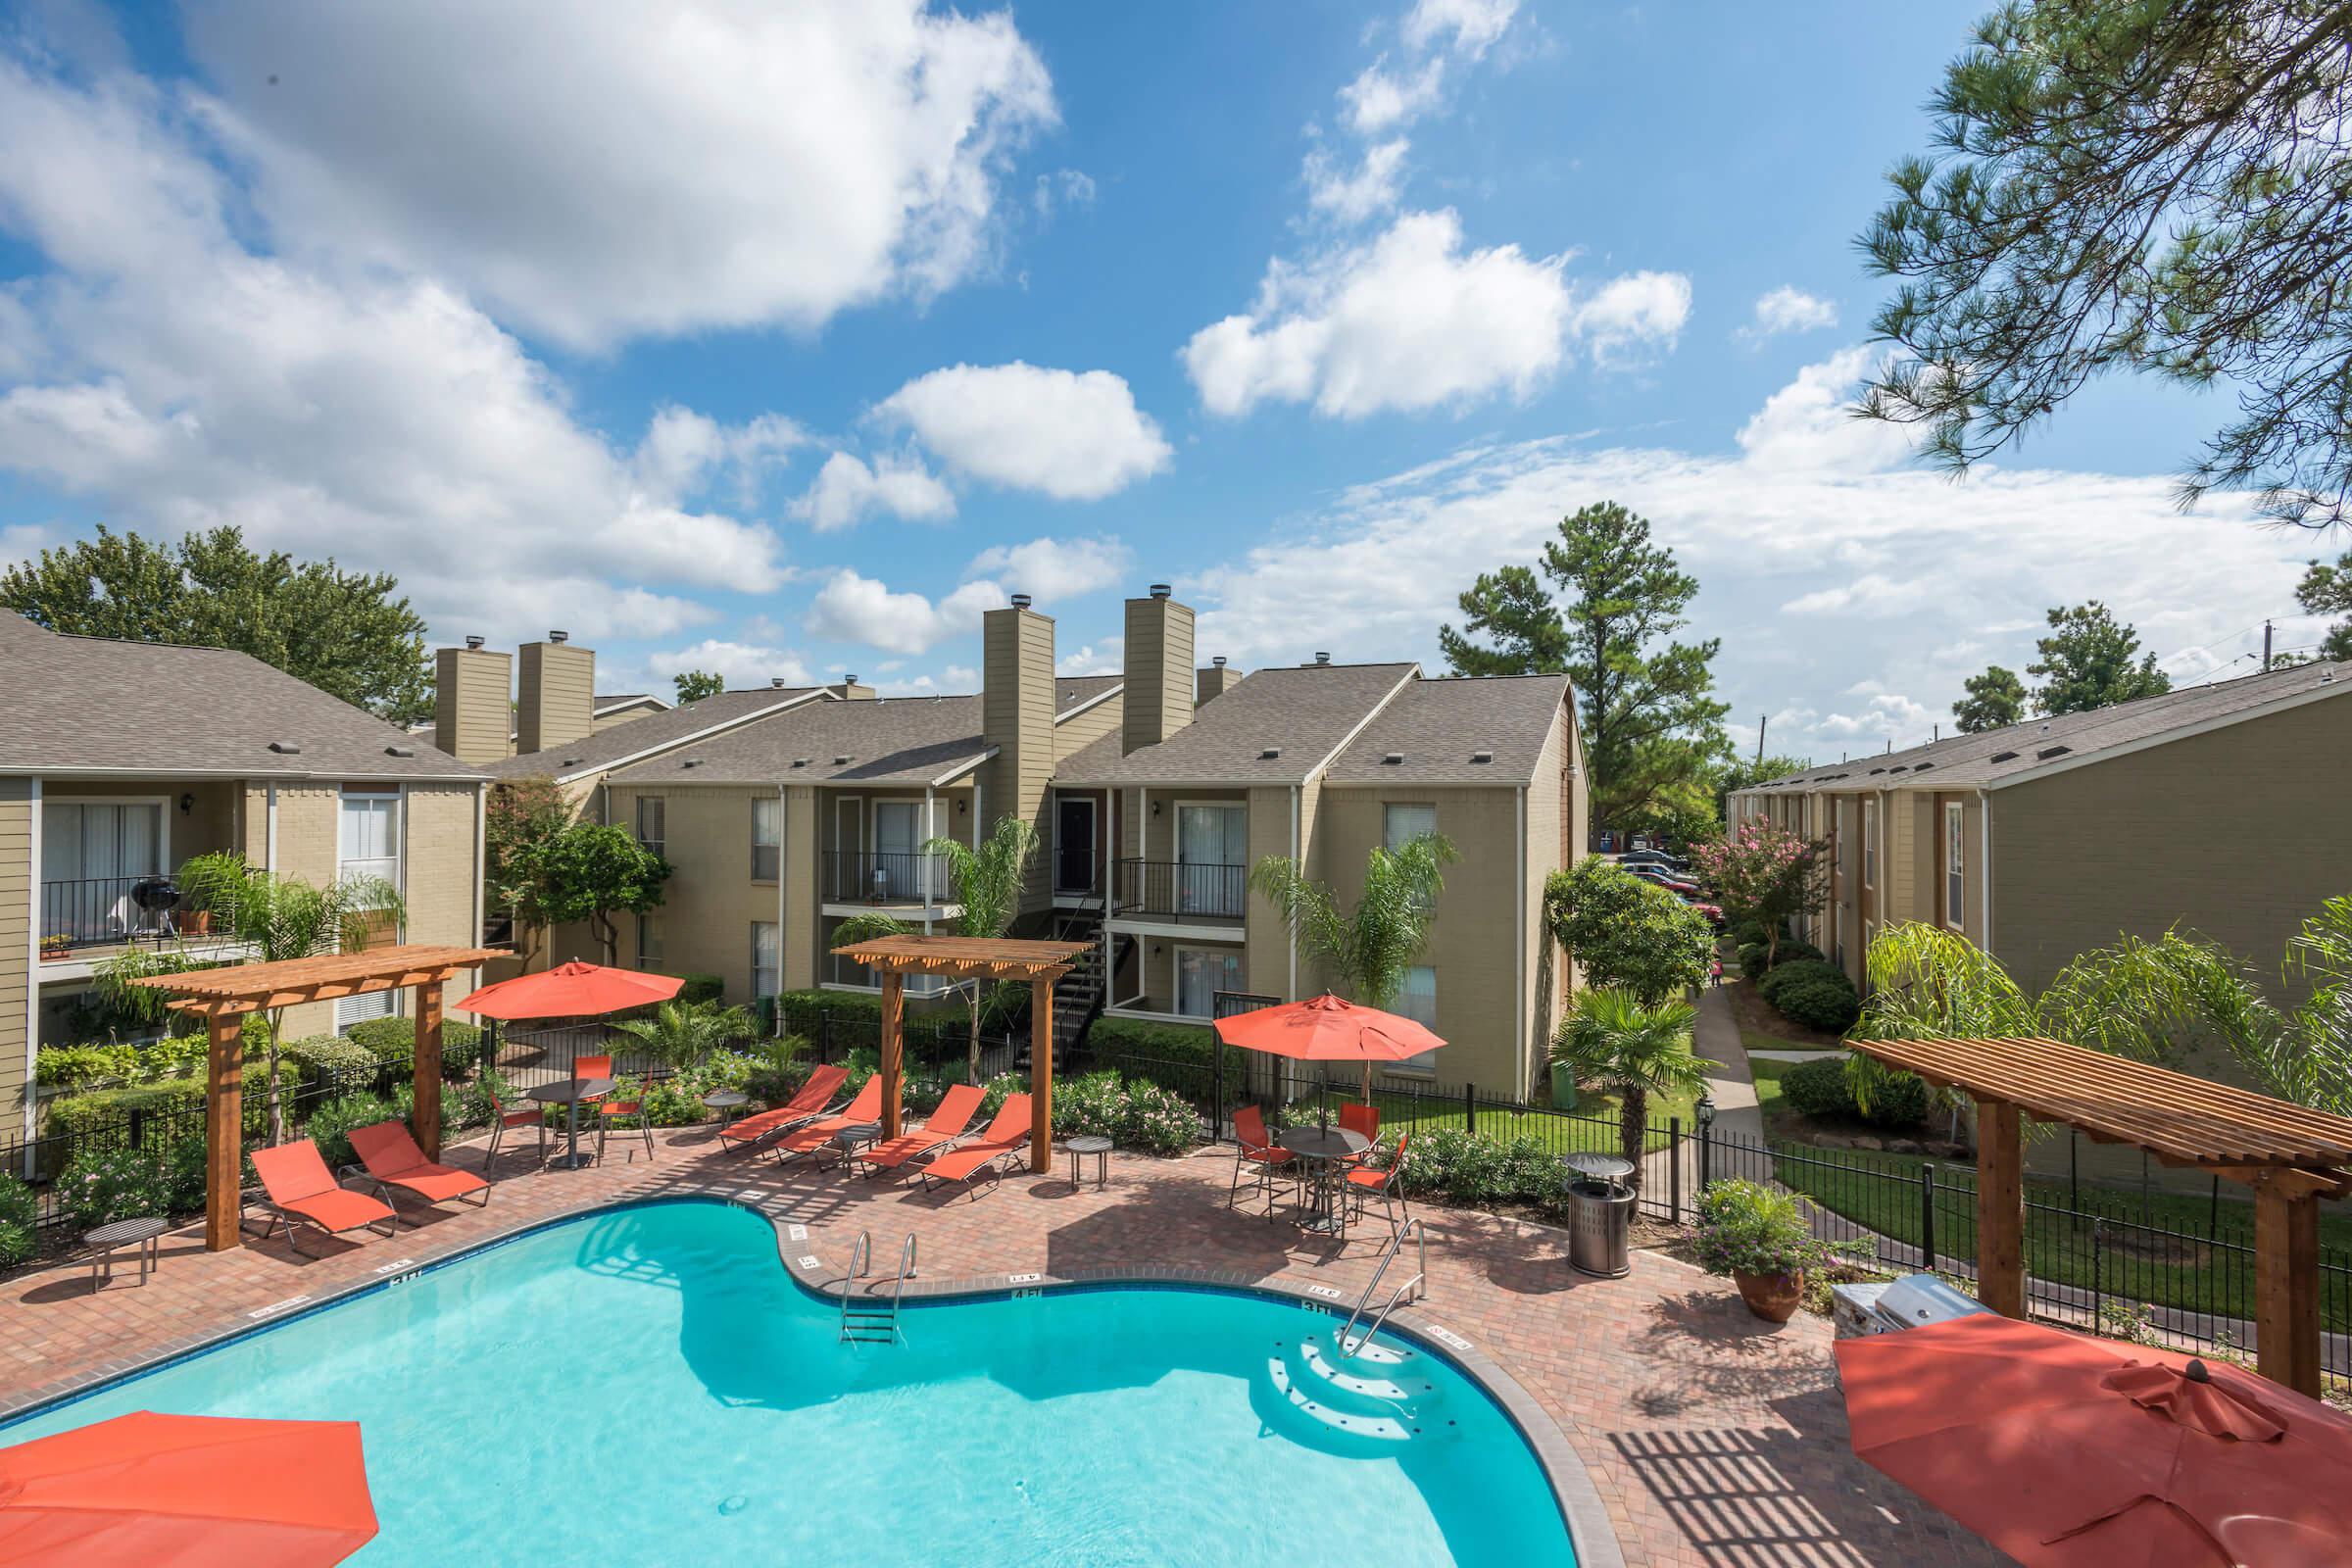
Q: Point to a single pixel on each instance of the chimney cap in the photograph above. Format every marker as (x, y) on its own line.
(559, 636)
(777, 681)
(1160, 590)
(1021, 601)
(848, 680)
(1219, 660)
(1322, 659)
(475, 640)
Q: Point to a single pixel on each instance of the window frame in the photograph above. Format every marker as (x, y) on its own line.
(773, 809)
(1216, 950)
(651, 962)
(775, 965)
(658, 842)
(1955, 864)
(1424, 1065)
(1387, 837)
(1869, 841)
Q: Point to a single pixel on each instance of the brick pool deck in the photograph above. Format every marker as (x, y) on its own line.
(1710, 1437)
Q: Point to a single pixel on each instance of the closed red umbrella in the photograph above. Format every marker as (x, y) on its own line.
(571, 991)
(1328, 1028)
(2067, 1451)
(194, 1492)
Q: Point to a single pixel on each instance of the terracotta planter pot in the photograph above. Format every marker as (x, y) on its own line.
(1774, 1297)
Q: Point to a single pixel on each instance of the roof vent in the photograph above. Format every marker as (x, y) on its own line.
(848, 680)
(1393, 760)
(800, 762)
(1219, 662)
(574, 761)
(841, 761)
(475, 640)
(777, 681)
(2003, 756)
(2328, 675)
(1923, 768)
(2048, 751)
(559, 636)
(1877, 770)
(1160, 590)
(1269, 754)
(692, 761)
(1899, 767)
(1482, 756)
(400, 751)
(1021, 601)
(285, 748)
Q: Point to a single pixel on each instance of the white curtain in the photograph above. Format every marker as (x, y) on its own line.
(1201, 973)
(1211, 843)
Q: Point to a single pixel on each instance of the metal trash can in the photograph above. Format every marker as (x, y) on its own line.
(1600, 1214)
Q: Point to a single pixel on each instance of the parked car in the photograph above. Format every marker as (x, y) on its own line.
(1713, 911)
(1672, 862)
(1663, 878)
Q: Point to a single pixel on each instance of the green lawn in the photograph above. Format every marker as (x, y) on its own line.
(1594, 1128)
(1887, 1193)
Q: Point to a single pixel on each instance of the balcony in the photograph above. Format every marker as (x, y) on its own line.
(1181, 891)
(885, 879)
(106, 911)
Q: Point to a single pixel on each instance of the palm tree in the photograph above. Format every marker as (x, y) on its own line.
(680, 1034)
(988, 883)
(282, 917)
(1366, 954)
(1632, 1050)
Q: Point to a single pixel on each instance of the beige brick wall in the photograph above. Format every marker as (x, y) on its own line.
(1268, 944)
(17, 880)
(802, 959)
(710, 901)
(1554, 843)
(442, 872)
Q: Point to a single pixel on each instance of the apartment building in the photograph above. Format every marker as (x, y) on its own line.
(120, 761)
(1152, 790)
(2218, 808)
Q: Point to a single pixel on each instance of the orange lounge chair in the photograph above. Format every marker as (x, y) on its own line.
(945, 1123)
(393, 1159)
(1006, 1137)
(866, 1107)
(296, 1185)
(802, 1107)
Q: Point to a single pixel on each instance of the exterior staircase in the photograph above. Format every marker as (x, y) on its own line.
(1078, 996)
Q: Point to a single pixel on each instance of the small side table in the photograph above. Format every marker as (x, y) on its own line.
(105, 1239)
(849, 1140)
(1081, 1147)
(728, 1103)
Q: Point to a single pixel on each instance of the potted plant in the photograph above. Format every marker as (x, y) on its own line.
(57, 945)
(1760, 1239)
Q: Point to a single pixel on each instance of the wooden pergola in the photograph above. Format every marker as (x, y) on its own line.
(222, 997)
(2290, 1156)
(1041, 963)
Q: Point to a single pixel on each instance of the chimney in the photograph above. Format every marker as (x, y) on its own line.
(1016, 716)
(557, 701)
(1159, 699)
(847, 689)
(472, 717)
(1214, 681)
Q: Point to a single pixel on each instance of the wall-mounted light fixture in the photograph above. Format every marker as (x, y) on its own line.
(1155, 808)
(187, 804)
(963, 807)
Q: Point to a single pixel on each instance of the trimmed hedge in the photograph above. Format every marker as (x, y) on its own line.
(694, 987)
(1827, 1006)
(79, 1116)
(1790, 950)
(1796, 972)
(1189, 1045)
(394, 1039)
(1821, 1089)
(112, 1065)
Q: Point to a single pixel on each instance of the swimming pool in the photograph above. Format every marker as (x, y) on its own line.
(648, 1385)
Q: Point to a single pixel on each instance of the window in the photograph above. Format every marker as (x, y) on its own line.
(766, 955)
(767, 821)
(92, 856)
(1202, 972)
(1418, 1001)
(652, 823)
(368, 845)
(1400, 825)
(649, 942)
(1870, 842)
(1955, 884)
(1212, 858)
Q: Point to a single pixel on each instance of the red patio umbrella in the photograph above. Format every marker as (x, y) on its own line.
(193, 1490)
(1328, 1028)
(571, 991)
(2067, 1451)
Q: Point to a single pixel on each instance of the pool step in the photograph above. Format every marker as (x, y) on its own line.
(1370, 1405)
(1383, 1376)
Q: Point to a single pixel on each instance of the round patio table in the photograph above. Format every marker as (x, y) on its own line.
(849, 1140)
(726, 1102)
(1326, 1149)
(1089, 1144)
(140, 1234)
(568, 1093)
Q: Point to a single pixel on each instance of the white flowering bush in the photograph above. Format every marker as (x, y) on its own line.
(105, 1185)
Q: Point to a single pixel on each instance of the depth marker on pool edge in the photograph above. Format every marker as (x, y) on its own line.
(396, 1265)
(796, 1233)
(275, 1307)
(1331, 1291)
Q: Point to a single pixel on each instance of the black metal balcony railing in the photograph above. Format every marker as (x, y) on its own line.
(886, 876)
(97, 911)
(1180, 890)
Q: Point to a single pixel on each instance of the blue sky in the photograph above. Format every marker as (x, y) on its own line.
(786, 338)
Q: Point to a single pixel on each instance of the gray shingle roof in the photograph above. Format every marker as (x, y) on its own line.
(1994, 757)
(604, 699)
(1298, 713)
(90, 703)
(1436, 727)
(671, 726)
(890, 740)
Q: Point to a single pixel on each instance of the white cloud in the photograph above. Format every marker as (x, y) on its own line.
(1074, 436)
(1353, 197)
(602, 171)
(1632, 313)
(1381, 99)
(1467, 26)
(861, 609)
(1809, 424)
(1385, 96)
(1050, 570)
(1787, 309)
(742, 664)
(847, 491)
(1064, 187)
(192, 381)
(1104, 657)
(1905, 580)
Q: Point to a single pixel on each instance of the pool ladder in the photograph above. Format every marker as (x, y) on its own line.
(1417, 1287)
(863, 1320)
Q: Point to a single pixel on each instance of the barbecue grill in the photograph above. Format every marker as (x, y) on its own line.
(156, 897)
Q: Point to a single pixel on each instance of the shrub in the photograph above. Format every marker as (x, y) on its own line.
(694, 987)
(173, 1107)
(329, 1054)
(1829, 1005)
(19, 1219)
(1748, 933)
(104, 1184)
(1818, 1088)
(84, 1066)
(1747, 1227)
(1188, 1044)
(1092, 1106)
(998, 1088)
(186, 1176)
(1796, 972)
(394, 1039)
(1897, 1100)
(330, 1124)
(1473, 1169)
(775, 1069)
(1159, 1120)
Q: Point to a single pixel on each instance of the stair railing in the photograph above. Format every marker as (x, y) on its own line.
(1417, 1283)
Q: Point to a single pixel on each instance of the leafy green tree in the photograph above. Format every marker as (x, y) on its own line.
(1994, 699)
(345, 632)
(281, 918)
(693, 685)
(2327, 590)
(2086, 662)
(680, 1034)
(1368, 953)
(1627, 933)
(1736, 774)
(589, 871)
(1649, 722)
(2128, 185)
(1613, 1039)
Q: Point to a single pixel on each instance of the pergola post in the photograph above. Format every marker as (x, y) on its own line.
(424, 1069)
(224, 1133)
(2001, 1209)
(1040, 1076)
(2286, 1274)
(894, 1046)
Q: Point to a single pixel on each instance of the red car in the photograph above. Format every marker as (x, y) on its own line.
(1664, 879)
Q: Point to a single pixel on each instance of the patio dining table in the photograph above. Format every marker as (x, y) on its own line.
(568, 1093)
(1326, 1149)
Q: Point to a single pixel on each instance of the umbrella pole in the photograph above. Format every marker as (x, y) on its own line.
(1367, 1080)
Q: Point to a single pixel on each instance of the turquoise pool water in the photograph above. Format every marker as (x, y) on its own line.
(648, 1385)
